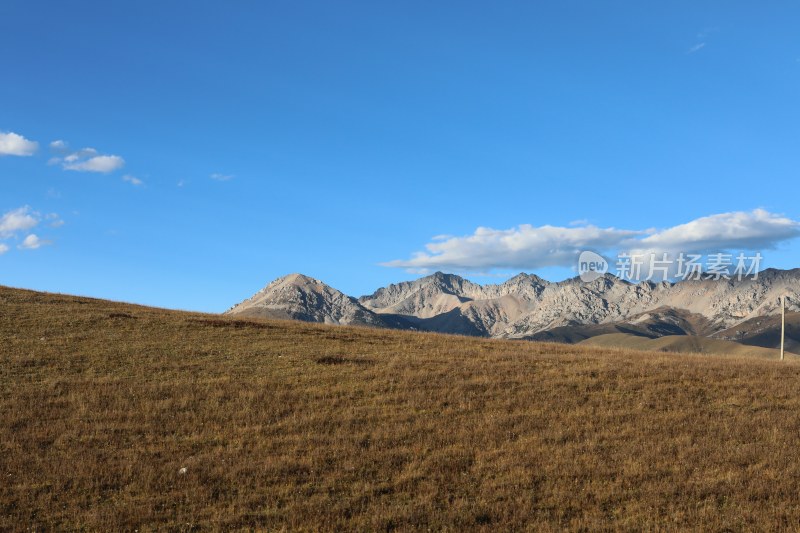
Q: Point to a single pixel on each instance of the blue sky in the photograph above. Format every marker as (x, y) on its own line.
(237, 142)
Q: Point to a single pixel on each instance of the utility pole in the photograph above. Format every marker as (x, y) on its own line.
(783, 322)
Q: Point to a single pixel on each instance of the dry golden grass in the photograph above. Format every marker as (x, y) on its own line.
(289, 426)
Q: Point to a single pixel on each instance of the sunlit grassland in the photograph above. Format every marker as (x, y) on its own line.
(285, 425)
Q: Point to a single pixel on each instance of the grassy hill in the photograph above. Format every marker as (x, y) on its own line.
(284, 425)
(682, 344)
(766, 331)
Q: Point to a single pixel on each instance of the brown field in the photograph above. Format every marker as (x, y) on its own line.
(291, 426)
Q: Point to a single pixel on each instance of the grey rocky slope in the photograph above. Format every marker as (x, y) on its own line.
(527, 306)
(300, 297)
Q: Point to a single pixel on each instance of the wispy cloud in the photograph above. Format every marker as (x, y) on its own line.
(530, 247)
(3, 248)
(53, 220)
(696, 48)
(85, 159)
(579, 222)
(221, 177)
(703, 36)
(15, 144)
(133, 180)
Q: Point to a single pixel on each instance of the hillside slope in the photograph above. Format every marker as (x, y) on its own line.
(118, 417)
(682, 344)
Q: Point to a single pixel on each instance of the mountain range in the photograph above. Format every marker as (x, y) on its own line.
(529, 307)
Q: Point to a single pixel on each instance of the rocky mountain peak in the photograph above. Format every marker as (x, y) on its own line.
(297, 280)
(523, 278)
(525, 305)
(301, 297)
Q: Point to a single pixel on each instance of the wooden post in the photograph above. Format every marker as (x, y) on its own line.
(783, 322)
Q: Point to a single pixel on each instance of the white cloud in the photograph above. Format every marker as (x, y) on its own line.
(16, 221)
(100, 163)
(59, 146)
(32, 242)
(529, 247)
(741, 230)
(132, 180)
(522, 247)
(221, 177)
(14, 144)
(84, 160)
